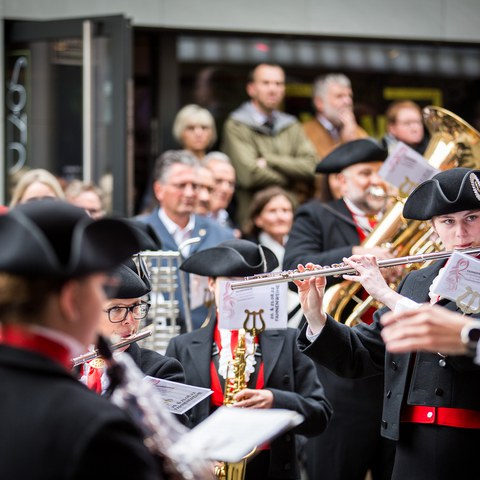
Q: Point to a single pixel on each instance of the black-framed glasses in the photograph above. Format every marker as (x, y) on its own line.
(118, 314)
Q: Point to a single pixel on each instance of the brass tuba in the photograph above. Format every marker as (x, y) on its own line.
(453, 143)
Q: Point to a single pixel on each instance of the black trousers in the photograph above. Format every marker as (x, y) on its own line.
(435, 452)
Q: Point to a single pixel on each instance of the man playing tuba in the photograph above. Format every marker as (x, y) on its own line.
(324, 233)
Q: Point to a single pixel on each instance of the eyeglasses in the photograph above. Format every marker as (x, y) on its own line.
(183, 186)
(119, 314)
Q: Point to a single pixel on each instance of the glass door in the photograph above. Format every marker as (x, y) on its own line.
(67, 103)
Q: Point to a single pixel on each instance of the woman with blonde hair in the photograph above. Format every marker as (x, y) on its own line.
(194, 129)
(35, 185)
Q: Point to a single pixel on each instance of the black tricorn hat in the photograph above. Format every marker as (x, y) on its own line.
(350, 153)
(447, 192)
(233, 258)
(149, 240)
(133, 279)
(50, 238)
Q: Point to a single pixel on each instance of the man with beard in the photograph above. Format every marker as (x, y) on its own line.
(267, 147)
(323, 234)
(334, 124)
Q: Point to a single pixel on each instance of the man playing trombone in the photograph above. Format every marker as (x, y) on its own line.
(431, 401)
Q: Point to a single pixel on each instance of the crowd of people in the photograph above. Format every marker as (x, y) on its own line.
(394, 397)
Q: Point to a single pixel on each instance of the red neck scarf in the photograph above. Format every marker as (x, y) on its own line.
(16, 336)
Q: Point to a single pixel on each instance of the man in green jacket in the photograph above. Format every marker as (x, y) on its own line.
(267, 147)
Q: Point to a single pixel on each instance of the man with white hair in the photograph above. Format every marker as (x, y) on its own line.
(334, 124)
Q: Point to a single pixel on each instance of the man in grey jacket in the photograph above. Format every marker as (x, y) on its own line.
(267, 147)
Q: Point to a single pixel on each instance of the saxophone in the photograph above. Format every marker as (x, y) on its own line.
(233, 385)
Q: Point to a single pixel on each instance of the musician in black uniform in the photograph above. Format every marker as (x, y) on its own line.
(51, 294)
(121, 318)
(431, 403)
(324, 233)
(279, 376)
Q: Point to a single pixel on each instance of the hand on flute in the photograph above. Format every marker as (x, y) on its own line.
(369, 275)
(310, 294)
(429, 328)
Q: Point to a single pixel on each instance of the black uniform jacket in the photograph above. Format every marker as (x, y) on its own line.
(321, 234)
(156, 365)
(356, 352)
(53, 427)
(289, 374)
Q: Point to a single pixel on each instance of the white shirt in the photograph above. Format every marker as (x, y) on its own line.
(179, 234)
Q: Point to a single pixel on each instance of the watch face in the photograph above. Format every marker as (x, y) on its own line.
(474, 334)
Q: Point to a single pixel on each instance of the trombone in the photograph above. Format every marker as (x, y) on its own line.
(341, 269)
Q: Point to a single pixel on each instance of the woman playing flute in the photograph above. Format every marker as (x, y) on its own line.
(431, 403)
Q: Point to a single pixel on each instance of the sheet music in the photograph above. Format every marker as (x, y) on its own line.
(178, 397)
(231, 433)
(266, 303)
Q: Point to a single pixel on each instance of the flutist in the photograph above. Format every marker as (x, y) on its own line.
(323, 234)
(120, 319)
(431, 403)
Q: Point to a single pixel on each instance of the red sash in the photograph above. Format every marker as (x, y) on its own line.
(217, 397)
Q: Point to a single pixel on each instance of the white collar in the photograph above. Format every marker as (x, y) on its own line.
(173, 227)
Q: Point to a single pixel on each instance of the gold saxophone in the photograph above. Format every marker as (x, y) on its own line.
(233, 385)
(454, 143)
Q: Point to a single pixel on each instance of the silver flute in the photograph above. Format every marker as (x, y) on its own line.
(340, 269)
(86, 357)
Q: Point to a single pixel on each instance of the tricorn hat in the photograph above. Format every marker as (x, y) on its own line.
(233, 258)
(447, 192)
(50, 238)
(149, 240)
(133, 279)
(350, 153)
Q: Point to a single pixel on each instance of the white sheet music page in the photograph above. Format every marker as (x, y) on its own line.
(178, 397)
(405, 169)
(255, 306)
(231, 433)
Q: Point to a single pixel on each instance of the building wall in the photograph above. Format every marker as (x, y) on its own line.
(436, 20)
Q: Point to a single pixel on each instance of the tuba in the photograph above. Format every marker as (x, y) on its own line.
(453, 143)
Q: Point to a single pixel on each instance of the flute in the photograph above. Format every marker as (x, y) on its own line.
(340, 269)
(86, 357)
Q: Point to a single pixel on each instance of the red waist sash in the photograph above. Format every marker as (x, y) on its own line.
(449, 417)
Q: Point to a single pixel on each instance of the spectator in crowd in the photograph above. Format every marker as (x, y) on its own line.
(175, 222)
(222, 196)
(206, 186)
(87, 196)
(277, 376)
(270, 222)
(405, 124)
(324, 233)
(267, 147)
(194, 129)
(52, 290)
(334, 124)
(35, 185)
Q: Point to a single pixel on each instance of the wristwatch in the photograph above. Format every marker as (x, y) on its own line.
(470, 336)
